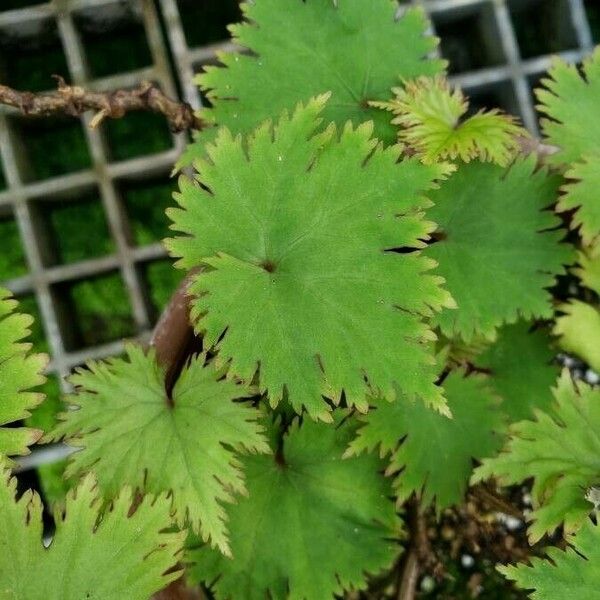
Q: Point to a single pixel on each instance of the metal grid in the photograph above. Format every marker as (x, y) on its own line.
(24, 194)
(503, 64)
(485, 40)
(498, 68)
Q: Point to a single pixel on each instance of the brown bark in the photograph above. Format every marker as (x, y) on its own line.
(179, 591)
(419, 556)
(410, 576)
(173, 337)
(75, 101)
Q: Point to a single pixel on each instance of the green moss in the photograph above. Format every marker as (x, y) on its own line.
(119, 50)
(162, 280)
(28, 304)
(12, 257)
(145, 205)
(592, 9)
(464, 44)
(30, 66)
(206, 20)
(53, 147)
(78, 229)
(137, 134)
(540, 28)
(99, 310)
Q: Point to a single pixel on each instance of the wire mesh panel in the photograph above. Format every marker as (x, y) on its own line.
(75, 202)
(81, 209)
(497, 49)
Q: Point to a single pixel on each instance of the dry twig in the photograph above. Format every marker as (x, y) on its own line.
(494, 501)
(75, 101)
(420, 555)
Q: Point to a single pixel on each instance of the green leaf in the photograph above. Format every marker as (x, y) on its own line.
(499, 249)
(560, 451)
(570, 573)
(106, 556)
(433, 454)
(570, 100)
(20, 371)
(581, 196)
(430, 115)
(313, 525)
(295, 239)
(588, 269)
(130, 435)
(579, 331)
(522, 369)
(455, 352)
(299, 49)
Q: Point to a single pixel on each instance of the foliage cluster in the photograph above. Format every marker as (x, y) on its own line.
(380, 294)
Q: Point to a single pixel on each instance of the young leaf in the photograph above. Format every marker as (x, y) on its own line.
(579, 330)
(430, 115)
(455, 352)
(104, 556)
(499, 249)
(571, 102)
(300, 273)
(433, 454)
(560, 451)
(130, 435)
(571, 573)
(522, 369)
(313, 525)
(298, 49)
(20, 371)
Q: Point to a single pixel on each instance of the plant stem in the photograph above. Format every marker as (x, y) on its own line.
(173, 337)
(410, 576)
(75, 101)
(179, 591)
(419, 554)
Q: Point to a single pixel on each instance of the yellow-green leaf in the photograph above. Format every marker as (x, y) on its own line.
(431, 119)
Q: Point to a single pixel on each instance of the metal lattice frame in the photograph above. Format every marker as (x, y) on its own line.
(103, 175)
(500, 73)
(511, 75)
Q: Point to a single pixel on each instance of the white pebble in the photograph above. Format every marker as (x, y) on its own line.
(427, 584)
(512, 523)
(467, 561)
(592, 377)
